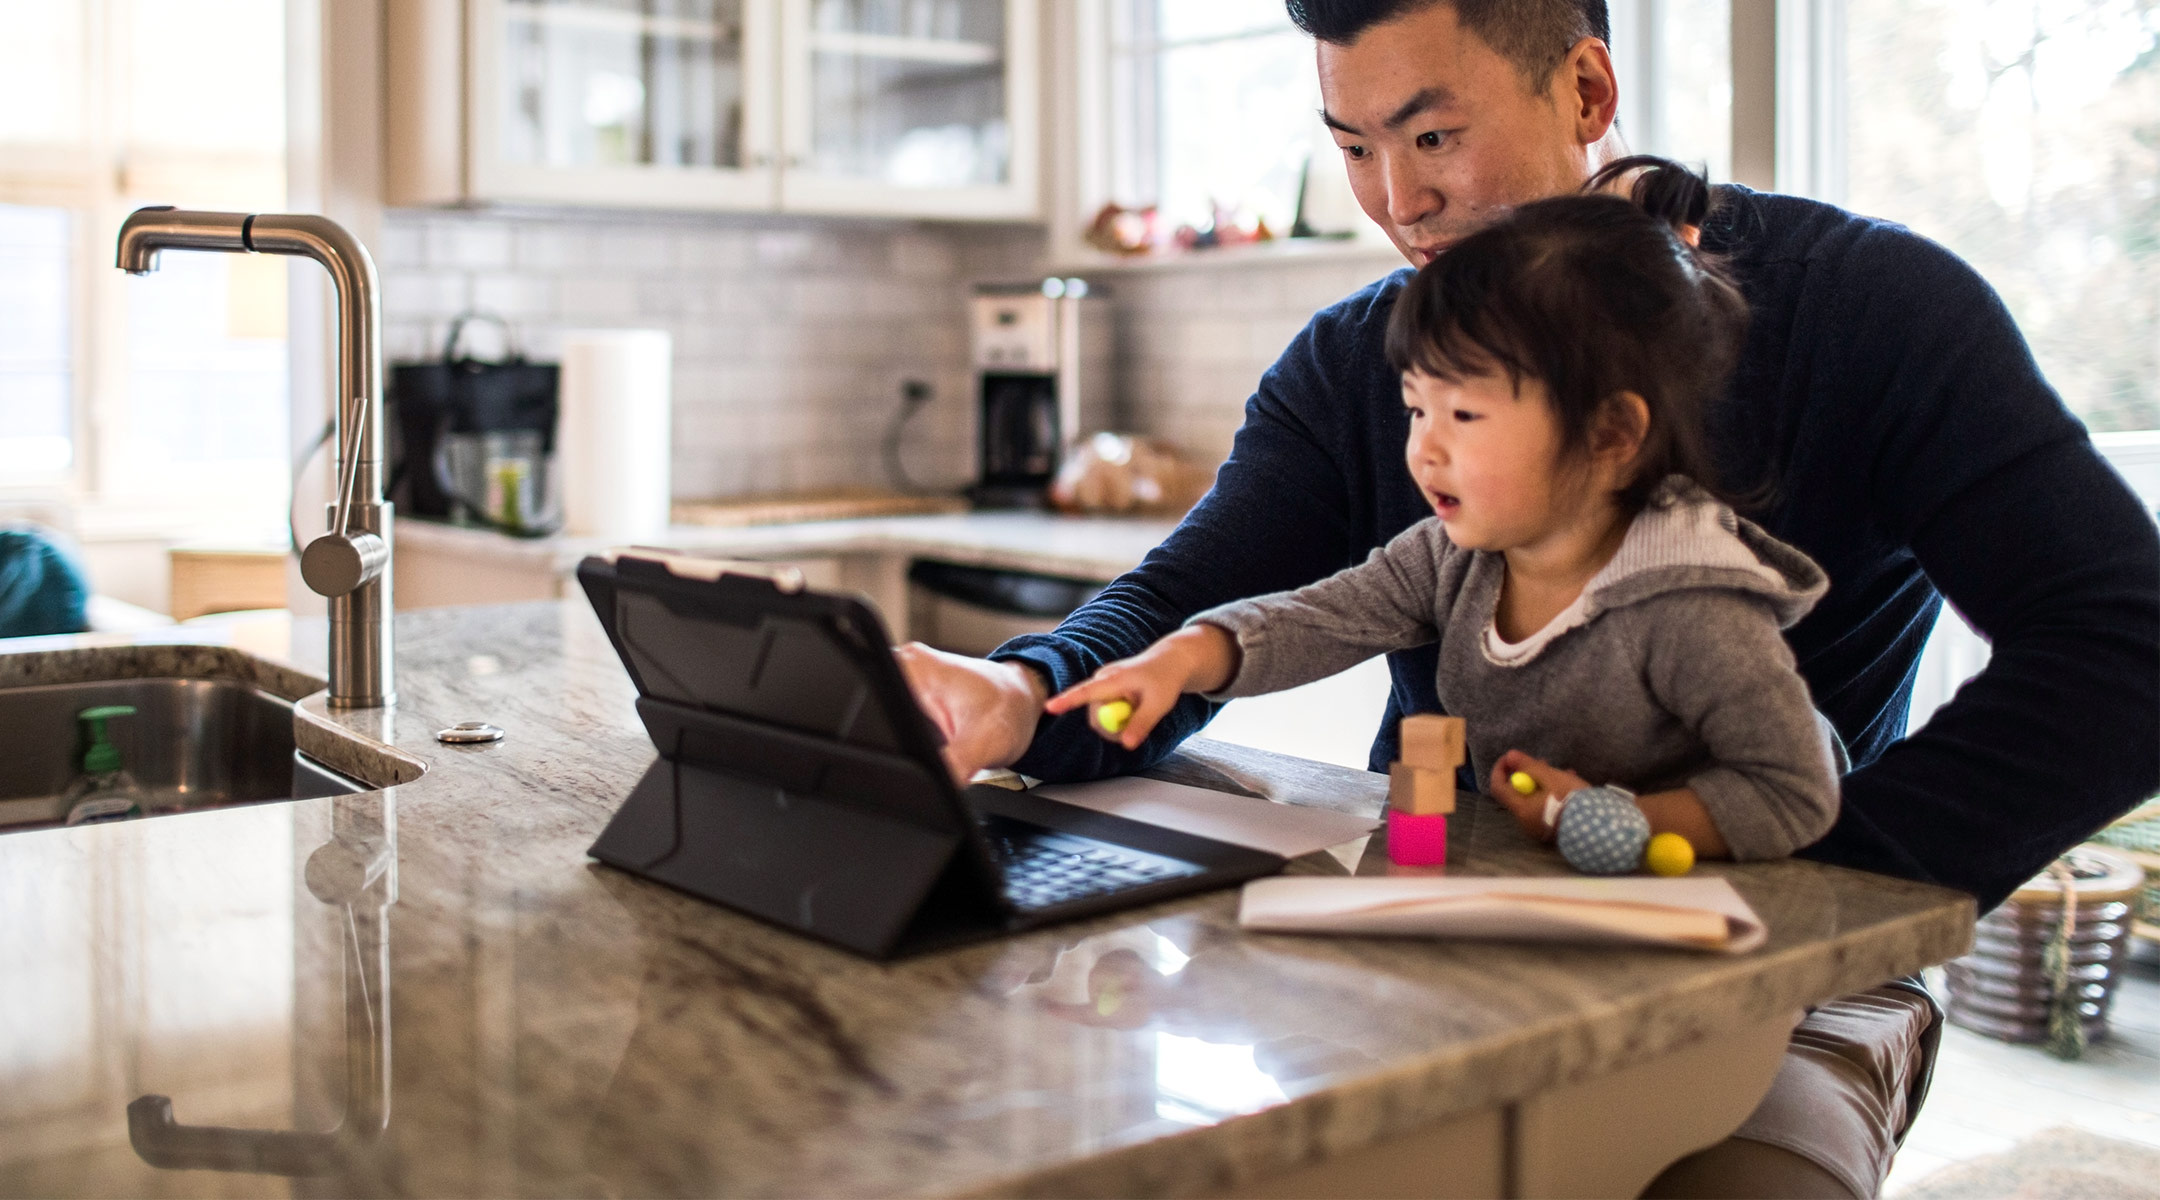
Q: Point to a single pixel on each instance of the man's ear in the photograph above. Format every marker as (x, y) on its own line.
(1588, 90)
(1618, 432)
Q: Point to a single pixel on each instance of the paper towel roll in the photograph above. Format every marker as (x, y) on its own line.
(612, 442)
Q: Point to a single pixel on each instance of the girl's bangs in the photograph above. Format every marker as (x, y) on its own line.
(1456, 349)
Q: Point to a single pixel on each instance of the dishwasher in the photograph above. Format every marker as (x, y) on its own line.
(974, 610)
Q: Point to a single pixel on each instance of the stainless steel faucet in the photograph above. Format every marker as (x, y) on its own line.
(351, 563)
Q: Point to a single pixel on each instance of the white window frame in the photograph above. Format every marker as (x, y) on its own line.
(1801, 137)
(100, 181)
(1079, 120)
(1801, 140)
(1788, 123)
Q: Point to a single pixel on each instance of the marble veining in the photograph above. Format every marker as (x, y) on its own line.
(555, 1026)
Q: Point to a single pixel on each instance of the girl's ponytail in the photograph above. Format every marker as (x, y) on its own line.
(1663, 188)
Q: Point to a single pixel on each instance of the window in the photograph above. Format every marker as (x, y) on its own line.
(2025, 136)
(1674, 60)
(1212, 108)
(173, 384)
(1215, 104)
(36, 366)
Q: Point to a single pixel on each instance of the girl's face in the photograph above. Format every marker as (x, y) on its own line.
(1487, 458)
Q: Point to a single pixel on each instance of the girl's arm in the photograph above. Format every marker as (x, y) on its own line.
(1273, 642)
(1678, 811)
(1718, 662)
(1197, 658)
(1386, 603)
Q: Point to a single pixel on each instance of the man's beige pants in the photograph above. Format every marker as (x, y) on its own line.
(1851, 1084)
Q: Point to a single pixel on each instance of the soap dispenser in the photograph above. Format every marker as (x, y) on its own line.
(104, 791)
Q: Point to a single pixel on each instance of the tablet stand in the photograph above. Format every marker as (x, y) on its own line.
(845, 843)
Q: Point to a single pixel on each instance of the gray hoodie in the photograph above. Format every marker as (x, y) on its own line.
(1669, 671)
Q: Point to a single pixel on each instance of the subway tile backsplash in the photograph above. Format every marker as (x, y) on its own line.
(792, 336)
(1194, 342)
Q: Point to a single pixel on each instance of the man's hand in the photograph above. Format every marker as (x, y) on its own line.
(985, 710)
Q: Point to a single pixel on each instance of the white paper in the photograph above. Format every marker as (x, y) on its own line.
(1285, 829)
(1629, 911)
(613, 439)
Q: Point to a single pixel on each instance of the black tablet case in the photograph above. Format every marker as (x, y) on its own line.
(797, 780)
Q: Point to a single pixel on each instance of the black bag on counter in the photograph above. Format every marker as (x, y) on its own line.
(439, 417)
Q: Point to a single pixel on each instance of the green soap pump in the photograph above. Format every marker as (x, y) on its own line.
(104, 791)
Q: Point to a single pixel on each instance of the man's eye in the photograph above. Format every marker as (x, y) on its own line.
(1464, 414)
(1428, 140)
(1353, 152)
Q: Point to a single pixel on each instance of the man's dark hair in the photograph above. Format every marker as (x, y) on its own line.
(1592, 295)
(1535, 35)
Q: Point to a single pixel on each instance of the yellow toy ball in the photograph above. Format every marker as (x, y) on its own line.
(1522, 782)
(1112, 716)
(1669, 854)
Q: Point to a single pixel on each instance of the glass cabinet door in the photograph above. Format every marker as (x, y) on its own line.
(662, 102)
(910, 106)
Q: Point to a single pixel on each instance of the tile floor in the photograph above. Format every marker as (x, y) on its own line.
(1987, 1096)
(1990, 1095)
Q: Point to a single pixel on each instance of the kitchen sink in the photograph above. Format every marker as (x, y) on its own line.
(191, 743)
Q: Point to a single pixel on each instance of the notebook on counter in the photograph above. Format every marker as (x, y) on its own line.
(1698, 913)
(799, 782)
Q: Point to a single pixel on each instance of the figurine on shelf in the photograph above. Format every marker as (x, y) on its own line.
(1120, 230)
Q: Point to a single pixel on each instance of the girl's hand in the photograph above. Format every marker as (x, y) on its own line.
(1530, 810)
(1198, 658)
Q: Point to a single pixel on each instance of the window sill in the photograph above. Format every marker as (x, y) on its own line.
(1279, 252)
(2137, 446)
(238, 524)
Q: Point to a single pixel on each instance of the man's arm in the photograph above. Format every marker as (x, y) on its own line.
(1279, 516)
(2020, 524)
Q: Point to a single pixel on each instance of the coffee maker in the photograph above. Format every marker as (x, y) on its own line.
(1042, 368)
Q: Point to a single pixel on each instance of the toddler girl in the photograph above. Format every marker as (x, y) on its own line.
(1601, 614)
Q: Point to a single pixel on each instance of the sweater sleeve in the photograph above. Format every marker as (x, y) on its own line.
(1718, 663)
(2026, 530)
(1387, 602)
(1278, 517)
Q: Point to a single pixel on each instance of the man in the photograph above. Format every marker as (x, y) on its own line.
(1885, 397)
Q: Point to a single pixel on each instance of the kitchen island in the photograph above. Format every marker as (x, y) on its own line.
(435, 987)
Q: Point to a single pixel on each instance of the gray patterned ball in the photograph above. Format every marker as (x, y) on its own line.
(1603, 833)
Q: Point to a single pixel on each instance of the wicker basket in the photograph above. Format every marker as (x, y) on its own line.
(2040, 974)
(2138, 835)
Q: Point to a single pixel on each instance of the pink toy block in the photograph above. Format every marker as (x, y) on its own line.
(1416, 841)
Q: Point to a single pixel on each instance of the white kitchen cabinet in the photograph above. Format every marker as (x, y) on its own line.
(918, 108)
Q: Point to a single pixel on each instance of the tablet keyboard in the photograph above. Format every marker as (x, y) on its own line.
(1043, 867)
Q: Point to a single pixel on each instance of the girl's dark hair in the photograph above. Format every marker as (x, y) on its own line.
(1592, 295)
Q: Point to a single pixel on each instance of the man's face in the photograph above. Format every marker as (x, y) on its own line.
(1441, 133)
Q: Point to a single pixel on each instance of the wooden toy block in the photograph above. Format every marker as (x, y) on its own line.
(1432, 742)
(1419, 791)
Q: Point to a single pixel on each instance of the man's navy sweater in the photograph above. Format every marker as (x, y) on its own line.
(1912, 448)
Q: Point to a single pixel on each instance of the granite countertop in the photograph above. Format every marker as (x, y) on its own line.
(532, 1023)
(1093, 548)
